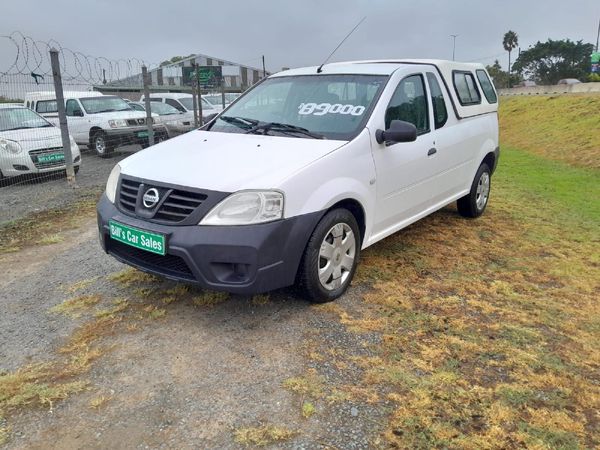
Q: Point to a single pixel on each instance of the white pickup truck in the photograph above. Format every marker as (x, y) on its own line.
(301, 173)
(101, 122)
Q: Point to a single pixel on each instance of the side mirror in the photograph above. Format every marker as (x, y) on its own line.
(78, 113)
(399, 131)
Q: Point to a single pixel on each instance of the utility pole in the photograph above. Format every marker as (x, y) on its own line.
(265, 71)
(454, 36)
(598, 35)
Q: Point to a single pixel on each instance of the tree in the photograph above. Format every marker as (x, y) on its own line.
(510, 42)
(500, 77)
(547, 62)
(174, 60)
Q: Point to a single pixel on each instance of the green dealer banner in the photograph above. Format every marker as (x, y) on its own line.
(209, 77)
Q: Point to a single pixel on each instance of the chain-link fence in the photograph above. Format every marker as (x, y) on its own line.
(66, 114)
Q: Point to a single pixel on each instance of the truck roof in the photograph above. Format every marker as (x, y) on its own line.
(50, 95)
(379, 66)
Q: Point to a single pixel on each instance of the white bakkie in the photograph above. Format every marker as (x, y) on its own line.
(306, 169)
(101, 122)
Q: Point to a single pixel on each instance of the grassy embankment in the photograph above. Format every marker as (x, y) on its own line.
(491, 327)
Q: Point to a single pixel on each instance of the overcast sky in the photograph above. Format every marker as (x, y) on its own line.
(295, 33)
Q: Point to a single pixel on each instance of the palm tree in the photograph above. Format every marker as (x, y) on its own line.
(510, 42)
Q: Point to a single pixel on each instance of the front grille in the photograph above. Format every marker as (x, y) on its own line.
(46, 151)
(136, 122)
(169, 265)
(177, 205)
(128, 195)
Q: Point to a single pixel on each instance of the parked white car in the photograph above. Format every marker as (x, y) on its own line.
(101, 122)
(183, 103)
(305, 170)
(174, 121)
(569, 81)
(29, 144)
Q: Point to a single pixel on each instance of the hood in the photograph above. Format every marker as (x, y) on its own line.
(46, 137)
(226, 162)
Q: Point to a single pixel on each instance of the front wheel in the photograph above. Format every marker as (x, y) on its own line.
(330, 257)
(100, 144)
(473, 204)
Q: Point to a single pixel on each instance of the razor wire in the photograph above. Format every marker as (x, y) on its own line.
(31, 57)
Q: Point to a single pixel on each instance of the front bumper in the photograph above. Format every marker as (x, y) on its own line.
(24, 163)
(245, 259)
(118, 137)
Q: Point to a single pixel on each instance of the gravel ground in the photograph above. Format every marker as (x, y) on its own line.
(20, 196)
(188, 379)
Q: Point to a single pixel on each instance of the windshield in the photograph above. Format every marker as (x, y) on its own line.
(106, 103)
(162, 109)
(20, 118)
(334, 106)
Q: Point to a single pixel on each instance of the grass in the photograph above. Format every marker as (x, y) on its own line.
(563, 128)
(51, 224)
(308, 409)
(50, 239)
(262, 435)
(490, 326)
(76, 306)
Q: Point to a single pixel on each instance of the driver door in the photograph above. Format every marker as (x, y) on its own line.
(404, 170)
(78, 126)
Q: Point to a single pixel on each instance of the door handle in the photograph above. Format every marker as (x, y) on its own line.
(432, 151)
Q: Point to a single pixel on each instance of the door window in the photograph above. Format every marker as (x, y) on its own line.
(175, 104)
(73, 109)
(440, 113)
(409, 104)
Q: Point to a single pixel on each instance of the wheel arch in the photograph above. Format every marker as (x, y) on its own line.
(93, 131)
(357, 210)
(491, 159)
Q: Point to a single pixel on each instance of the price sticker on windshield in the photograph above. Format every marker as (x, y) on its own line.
(320, 109)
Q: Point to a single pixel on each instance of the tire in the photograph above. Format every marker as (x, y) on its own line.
(100, 144)
(474, 203)
(76, 169)
(338, 229)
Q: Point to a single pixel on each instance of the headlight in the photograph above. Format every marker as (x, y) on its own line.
(245, 208)
(10, 146)
(117, 123)
(112, 183)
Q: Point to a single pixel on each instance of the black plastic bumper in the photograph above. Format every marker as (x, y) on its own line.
(245, 259)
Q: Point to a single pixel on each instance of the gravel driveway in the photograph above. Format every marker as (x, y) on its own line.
(180, 371)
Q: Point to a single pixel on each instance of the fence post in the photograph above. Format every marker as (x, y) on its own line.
(149, 120)
(199, 91)
(62, 117)
(194, 101)
(223, 92)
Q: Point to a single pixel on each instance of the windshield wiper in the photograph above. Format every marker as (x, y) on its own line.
(283, 127)
(106, 110)
(236, 120)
